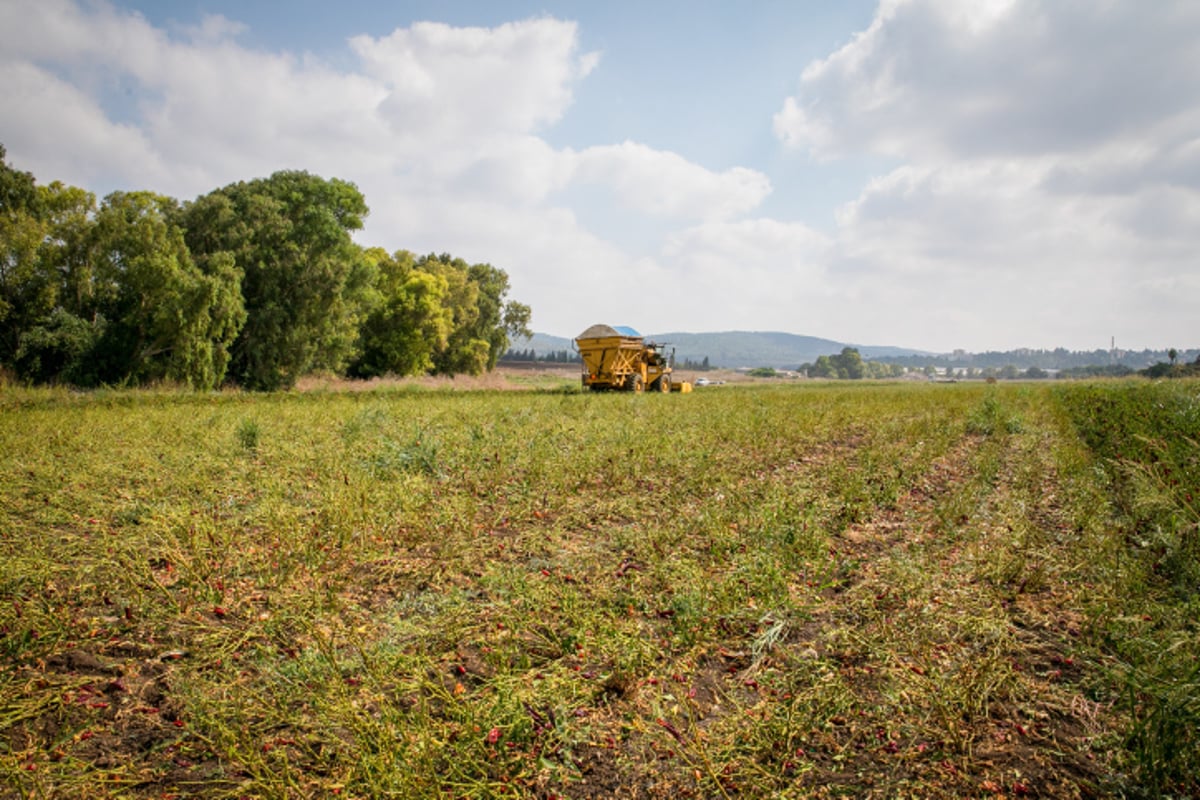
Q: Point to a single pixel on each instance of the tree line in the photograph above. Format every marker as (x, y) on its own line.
(1057, 359)
(256, 284)
(549, 357)
(1172, 368)
(849, 365)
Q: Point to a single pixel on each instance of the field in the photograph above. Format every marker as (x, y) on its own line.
(874, 590)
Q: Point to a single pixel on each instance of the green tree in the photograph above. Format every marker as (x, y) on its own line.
(164, 317)
(410, 322)
(823, 368)
(483, 321)
(306, 286)
(465, 351)
(499, 321)
(849, 364)
(58, 349)
(57, 333)
(66, 252)
(846, 365)
(27, 292)
(878, 369)
(489, 325)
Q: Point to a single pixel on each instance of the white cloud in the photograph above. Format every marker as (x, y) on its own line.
(764, 272)
(434, 109)
(473, 83)
(215, 28)
(792, 246)
(61, 31)
(666, 184)
(66, 132)
(975, 250)
(1050, 177)
(940, 78)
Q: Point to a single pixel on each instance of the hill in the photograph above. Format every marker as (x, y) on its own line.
(733, 349)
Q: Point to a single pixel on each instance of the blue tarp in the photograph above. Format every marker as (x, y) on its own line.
(605, 331)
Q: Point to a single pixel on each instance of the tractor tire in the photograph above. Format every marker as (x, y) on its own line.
(635, 384)
(664, 384)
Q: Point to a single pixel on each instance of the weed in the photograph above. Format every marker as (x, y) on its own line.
(990, 418)
(248, 433)
(419, 455)
(1162, 689)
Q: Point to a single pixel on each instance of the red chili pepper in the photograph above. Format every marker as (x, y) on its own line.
(671, 729)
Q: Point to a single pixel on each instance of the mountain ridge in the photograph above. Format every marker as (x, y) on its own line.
(739, 349)
(735, 349)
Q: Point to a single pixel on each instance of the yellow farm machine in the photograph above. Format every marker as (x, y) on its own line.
(619, 358)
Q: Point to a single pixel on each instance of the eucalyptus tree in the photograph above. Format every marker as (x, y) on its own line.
(483, 321)
(410, 321)
(24, 294)
(306, 286)
(58, 328)
(164, 317)
(499, 320)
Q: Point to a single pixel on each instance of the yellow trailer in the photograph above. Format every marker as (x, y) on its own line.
(619, 358)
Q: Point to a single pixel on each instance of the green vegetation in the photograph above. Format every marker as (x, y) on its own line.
(1067, 363)
(257, 283)
(1148, 439)
(1173, 370)
(849, 365)
(777, 590)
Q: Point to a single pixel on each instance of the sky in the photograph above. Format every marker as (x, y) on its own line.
(933, 174)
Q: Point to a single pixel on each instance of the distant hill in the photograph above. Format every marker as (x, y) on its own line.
(543, 344)
(733, 349)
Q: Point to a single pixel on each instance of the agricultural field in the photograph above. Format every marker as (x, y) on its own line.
(811, 590)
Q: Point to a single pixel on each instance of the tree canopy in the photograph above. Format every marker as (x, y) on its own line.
(848, 365)
(304, 282)
(256, 283)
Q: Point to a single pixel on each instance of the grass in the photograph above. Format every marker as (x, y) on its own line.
(1147, 435)
(786, 591)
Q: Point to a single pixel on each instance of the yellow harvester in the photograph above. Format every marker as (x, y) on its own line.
(619, 358)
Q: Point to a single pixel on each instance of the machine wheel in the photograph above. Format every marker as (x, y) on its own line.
(664, 384)
(635, 384)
